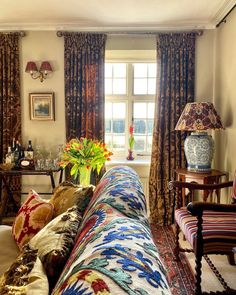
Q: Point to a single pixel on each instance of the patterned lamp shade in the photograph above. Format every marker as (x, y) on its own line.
(199, 146)
(199, 116)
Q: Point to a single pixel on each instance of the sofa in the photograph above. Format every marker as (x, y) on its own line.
(113, 251)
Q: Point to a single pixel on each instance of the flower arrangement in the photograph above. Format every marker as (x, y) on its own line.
(131, 143)
(131, 137)
(84, 154)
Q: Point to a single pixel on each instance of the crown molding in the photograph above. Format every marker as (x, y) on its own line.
(226, 7)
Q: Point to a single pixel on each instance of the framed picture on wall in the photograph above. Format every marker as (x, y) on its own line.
(42, 106)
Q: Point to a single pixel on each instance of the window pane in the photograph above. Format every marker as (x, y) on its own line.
(119, 110)
(118, 142)
(140, 110)
(140, 70)
(108, 140)
(139, 144)
(150, 126)
(152, 70)
(152, 86)
(139, 126)
(151, 111)
(108, 110)
(108, 86)
(140, 86)
(108, 126)
(149, 144)
(108, 70)
(118, 126)
(119, 70)
(119, 86)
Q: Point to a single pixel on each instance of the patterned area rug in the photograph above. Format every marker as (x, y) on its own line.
(180, 275)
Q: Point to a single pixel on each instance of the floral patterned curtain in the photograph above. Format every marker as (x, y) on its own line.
(10, 112)
(175, 88)
(84, 85)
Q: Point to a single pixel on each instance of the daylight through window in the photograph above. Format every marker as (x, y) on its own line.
(130, 91)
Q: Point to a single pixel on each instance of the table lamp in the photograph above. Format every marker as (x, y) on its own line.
(199, 146)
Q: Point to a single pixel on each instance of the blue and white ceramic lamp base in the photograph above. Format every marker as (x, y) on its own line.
(199, 150)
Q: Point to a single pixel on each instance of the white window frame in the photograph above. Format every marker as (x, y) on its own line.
(129, 98)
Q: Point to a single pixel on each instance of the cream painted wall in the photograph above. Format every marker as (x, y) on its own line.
(40, 46)
(225, 93)
(204, 62)
(45, 45)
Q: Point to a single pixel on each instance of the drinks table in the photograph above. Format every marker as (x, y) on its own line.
(5, 178)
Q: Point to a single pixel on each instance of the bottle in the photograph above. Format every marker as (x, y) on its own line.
(29, 151)
(13, 147)
(9, 156)
(17, 153)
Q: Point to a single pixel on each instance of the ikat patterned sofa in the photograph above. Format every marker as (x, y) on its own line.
(109, 249)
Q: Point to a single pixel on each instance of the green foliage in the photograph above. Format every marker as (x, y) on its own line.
(84, 152)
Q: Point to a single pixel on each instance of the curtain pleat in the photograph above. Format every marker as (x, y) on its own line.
(84, 85)
(10, 109)
(175, 88)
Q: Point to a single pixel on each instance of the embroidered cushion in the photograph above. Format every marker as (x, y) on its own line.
(67, 195)
(25, 276)
(55, 242)
(34, 214)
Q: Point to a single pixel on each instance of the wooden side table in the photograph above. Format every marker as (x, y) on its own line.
(5, 179)
(212, 177)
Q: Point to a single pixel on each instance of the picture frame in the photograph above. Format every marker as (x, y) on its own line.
(42, 106)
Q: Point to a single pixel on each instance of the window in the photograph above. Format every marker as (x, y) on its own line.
(129, 90)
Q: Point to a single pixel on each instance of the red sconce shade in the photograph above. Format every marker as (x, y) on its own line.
(45, 66)
(31, 67)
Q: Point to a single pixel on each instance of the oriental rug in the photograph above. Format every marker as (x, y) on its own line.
(180, 274)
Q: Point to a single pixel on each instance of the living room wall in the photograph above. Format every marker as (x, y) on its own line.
(45, 45)
(225, 93)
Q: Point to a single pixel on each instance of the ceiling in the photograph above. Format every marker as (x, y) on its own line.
(112, 15)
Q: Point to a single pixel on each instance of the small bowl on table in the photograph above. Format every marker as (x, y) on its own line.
(6, 166)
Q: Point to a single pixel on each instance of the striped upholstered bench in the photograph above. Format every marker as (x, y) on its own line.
(218, 233)
(210, 228)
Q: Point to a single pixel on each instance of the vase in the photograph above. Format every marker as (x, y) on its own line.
(84, 175)
(130, 155)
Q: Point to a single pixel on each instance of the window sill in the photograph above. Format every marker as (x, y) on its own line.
(135, 162)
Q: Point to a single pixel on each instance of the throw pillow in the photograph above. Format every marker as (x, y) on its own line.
(34, 214)
(55, 242)
(25, 276)
(68, 194)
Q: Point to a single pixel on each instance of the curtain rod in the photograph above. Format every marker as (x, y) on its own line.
(223, 20)
(20, 33)
(63, 33)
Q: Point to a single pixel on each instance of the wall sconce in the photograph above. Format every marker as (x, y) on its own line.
(42, 73)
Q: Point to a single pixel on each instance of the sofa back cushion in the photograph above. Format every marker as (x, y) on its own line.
(33, 215)
(121, 188)
(9, 249)
(114, 254)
